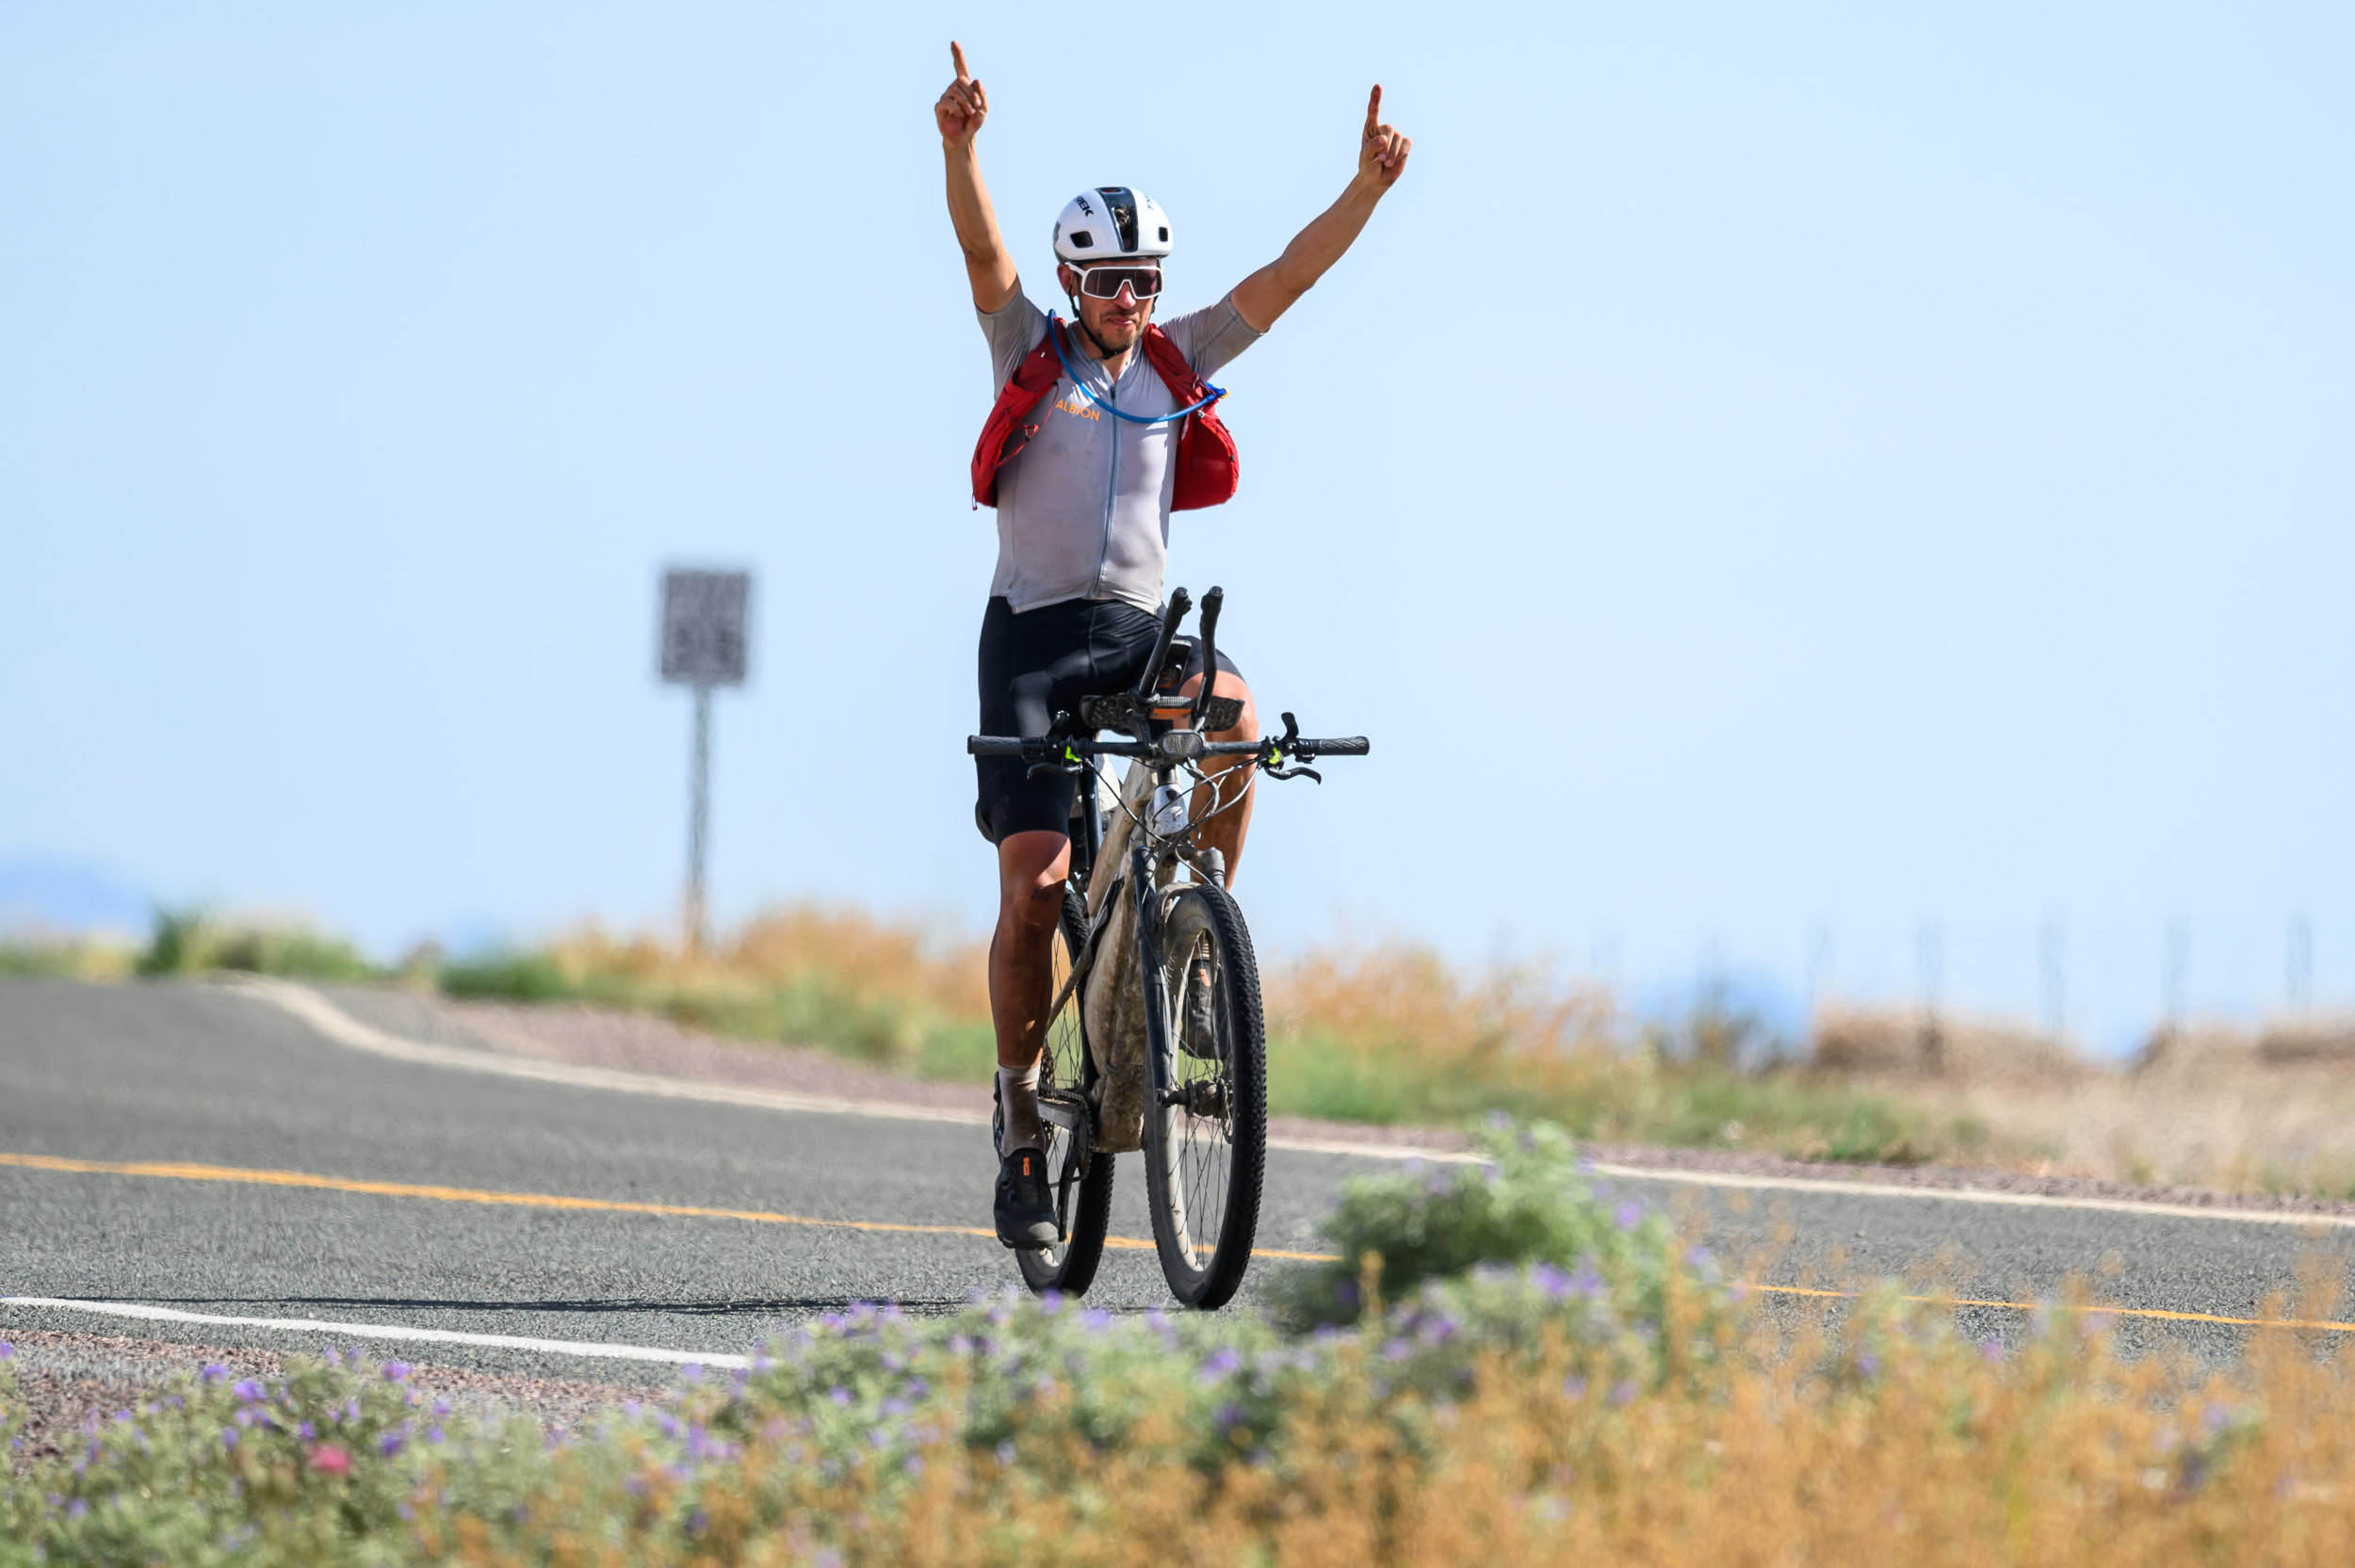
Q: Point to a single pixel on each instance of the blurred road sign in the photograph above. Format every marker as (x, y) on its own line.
(702, 626)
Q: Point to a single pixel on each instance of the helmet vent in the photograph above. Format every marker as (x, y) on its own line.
(1083, 238)
(1164, 234)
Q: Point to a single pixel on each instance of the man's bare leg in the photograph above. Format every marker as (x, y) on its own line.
(1226, 832)
(1031, 871)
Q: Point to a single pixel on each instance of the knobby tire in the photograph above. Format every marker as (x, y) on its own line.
(1199, 1282)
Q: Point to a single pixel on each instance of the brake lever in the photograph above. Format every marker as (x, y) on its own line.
(1272, 754)
(1058, 736)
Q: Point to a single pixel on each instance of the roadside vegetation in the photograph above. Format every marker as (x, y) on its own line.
(1390, 1035)
(1509, 1367)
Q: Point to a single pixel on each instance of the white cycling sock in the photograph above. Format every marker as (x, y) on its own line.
(1017, 1107)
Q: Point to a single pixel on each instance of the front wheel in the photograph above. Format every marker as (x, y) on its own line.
(1083, 1187)
(1205, 1145)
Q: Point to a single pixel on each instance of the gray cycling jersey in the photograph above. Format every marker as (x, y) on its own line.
(1083, 508)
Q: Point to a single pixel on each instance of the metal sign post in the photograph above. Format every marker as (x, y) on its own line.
(702, 646)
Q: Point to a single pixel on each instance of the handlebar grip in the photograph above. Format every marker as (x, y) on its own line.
(1342, 746)
(994, 745)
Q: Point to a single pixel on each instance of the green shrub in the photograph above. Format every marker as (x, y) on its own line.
(1531, 1201)
(191, 941)
(517, 977)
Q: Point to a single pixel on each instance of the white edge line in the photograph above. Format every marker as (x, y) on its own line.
(1969, 1195)
(338, 1026)
(382, 1331)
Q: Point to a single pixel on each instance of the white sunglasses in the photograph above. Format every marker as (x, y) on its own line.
(1103, 281)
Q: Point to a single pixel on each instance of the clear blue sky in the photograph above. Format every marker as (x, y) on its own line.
(1833, 466)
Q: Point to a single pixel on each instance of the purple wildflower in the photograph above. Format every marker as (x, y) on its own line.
(228, 1437)
(839, 1394)
(390, 1443)
(1869, 1365)
(1622, 1391)
(1551, 1281)
(214, 1371)
(691, 1372)
(432, 1435)
(397, 1371)
(247, 1389)
(1629, 1215)
(1397, 1350)
(6, 1350)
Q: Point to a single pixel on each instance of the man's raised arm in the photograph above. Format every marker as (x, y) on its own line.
(961, 110)
(1271, 291)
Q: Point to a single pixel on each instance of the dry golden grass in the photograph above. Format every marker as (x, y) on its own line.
(1404, 992)
(863, 956)
(2270, 1109)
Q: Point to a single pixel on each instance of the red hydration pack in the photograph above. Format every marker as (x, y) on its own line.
(1206, 451)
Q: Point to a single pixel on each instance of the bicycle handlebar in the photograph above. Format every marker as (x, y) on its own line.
(1048, 748)
(1211, 603)
(1280, 756)
(1172, 618)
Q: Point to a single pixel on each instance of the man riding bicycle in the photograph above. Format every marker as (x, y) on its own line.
(1084, 458)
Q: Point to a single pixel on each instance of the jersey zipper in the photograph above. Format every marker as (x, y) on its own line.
(1111, 488)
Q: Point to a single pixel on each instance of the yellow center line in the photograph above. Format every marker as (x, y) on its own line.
(189, 1171)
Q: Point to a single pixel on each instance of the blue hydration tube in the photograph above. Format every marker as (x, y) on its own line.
(1054, 335)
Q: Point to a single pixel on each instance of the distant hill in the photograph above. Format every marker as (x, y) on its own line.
(69, 897)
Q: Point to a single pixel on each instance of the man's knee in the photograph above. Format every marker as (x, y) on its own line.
(1229, 685)
(1031, 869)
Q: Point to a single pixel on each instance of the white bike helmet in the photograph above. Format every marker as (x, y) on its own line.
(1111, 223)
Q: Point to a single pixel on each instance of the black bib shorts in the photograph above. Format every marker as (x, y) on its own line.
(1041, 663)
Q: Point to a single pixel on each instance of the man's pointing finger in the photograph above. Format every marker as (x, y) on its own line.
(1373, 108)
(956, 54)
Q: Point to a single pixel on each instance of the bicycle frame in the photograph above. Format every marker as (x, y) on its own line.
(1160, 747)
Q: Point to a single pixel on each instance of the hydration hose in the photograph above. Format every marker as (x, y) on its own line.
(1054, 335)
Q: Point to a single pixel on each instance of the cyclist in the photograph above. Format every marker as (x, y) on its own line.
(1084, 476)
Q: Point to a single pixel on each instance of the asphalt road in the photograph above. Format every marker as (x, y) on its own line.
(221, 1084)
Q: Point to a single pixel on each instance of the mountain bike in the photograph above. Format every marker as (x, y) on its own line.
(1155, 1038)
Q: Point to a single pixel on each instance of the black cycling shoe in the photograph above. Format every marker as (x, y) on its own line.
(1026, 1205)
(1199, 1037)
